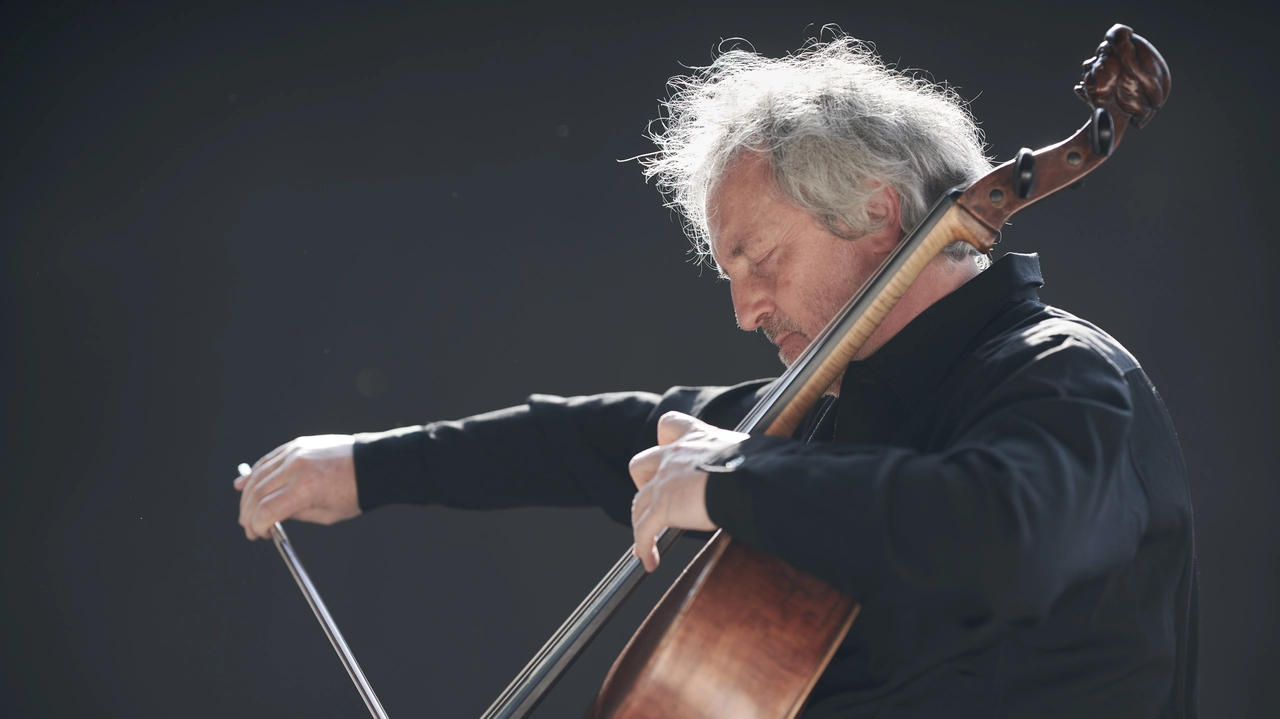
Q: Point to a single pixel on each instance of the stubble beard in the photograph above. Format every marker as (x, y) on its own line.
(776, 328)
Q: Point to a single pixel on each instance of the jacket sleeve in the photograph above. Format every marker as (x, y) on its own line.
(1028, 496)
(549, 451)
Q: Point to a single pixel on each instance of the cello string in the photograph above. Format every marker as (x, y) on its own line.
(525, 692)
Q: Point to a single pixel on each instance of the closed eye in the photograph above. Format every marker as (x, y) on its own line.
(755, 263)
(738, 257)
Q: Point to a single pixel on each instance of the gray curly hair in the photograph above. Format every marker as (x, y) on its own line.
(836, 125)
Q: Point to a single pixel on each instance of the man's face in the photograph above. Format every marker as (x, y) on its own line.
(788, 274)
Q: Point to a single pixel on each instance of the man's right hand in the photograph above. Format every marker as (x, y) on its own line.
(310, 478)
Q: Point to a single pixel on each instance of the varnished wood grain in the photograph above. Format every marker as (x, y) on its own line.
(741, 634)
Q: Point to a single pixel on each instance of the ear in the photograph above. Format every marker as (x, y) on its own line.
(885, 209)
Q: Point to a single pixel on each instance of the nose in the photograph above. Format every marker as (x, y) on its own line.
(752, 302)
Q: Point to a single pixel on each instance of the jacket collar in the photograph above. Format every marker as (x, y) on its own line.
(915, 360)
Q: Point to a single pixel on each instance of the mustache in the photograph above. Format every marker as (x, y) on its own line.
(775, 327)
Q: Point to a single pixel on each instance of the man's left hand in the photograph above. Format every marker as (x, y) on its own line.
(672, 488)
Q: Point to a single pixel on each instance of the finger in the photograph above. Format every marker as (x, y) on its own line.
(263, 460)
(277, 476)
(245, 472)
(247, 483)
(644, 465)
(673, 426)
(276, 507)
(647, 529)
(640, 504)
(271, 483)
(260, 469)
(647, 524)
(273, 454)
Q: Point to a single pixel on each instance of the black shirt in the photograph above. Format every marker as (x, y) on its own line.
(999, 485)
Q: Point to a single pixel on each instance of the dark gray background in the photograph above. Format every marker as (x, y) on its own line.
(214, 219)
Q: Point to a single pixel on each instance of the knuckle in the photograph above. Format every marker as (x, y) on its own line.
(259, 488)
(273, 502)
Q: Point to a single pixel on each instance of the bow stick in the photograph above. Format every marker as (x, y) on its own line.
(322, 615)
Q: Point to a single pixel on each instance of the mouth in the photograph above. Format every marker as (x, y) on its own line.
(789, 336)
(790, 345)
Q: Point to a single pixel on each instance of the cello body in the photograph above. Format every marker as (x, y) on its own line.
(740, 634)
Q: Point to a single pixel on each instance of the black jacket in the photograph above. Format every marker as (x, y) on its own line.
(999, 485)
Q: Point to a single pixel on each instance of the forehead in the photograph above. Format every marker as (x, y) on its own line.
(739, 205)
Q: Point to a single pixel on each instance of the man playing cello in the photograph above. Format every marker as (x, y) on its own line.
(995, 481)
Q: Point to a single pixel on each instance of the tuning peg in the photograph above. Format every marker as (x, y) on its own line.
(1102, 132)
(1024, 173)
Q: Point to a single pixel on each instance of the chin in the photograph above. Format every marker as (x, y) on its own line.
(789, 355)
(791, 347)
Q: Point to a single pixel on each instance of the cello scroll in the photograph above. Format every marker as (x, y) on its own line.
(1125, 82)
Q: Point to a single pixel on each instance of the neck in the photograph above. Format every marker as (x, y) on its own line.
(940, 278)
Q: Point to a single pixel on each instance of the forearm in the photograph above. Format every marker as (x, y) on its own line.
(1028, 498)
(549, 451)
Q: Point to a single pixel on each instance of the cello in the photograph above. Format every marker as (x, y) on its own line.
(741, 633)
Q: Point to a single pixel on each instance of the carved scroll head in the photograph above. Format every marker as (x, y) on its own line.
(1128, 74)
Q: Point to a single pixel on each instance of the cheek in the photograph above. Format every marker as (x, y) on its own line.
(829, 288)
(819, 309)
(794, 298)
